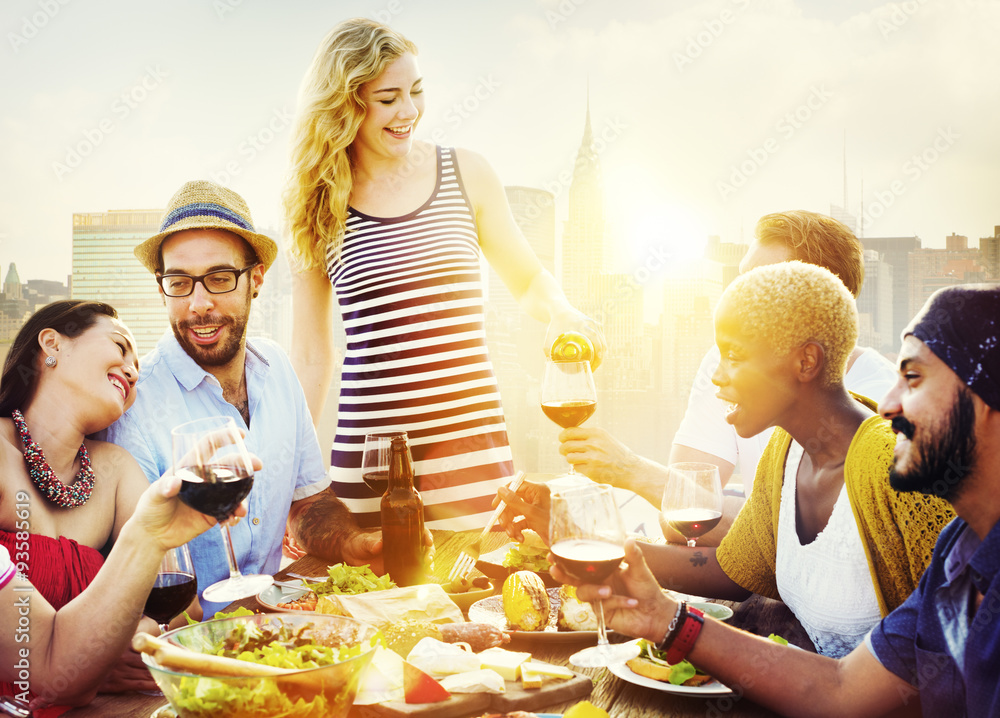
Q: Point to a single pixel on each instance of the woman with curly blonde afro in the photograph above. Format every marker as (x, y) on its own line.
(822, 531)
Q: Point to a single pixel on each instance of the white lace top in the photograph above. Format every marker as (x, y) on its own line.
(826, 583)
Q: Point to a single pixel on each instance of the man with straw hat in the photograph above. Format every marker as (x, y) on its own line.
(209, 263)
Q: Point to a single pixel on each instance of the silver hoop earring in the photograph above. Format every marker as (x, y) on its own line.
(50, 361)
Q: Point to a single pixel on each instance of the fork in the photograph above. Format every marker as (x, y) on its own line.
(466, 560)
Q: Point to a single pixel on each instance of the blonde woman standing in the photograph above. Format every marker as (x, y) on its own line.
(394, 228)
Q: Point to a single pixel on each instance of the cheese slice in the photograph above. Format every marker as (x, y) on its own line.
(506, 663)
(534, 673)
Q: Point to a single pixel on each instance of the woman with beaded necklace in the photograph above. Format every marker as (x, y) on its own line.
(70, 372)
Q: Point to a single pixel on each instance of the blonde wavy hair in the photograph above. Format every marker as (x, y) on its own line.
(788, 304)
(816, 239)
(330, 113)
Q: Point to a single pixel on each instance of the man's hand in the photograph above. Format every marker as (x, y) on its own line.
(365, 547)
(598, 455)
(528, 508)
(633, 602)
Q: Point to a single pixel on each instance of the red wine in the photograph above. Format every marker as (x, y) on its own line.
(588, 559)
(170, 595)
(378, 481)
(692, 523)
(569, 413)
(214, 490)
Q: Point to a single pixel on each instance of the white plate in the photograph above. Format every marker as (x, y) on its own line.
(273, 595)
(490, 610)
(712, 688)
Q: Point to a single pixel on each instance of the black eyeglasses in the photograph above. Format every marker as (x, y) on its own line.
(220, 281)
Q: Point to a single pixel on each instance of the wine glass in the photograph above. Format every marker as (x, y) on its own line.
(568, 394)
(692, 499)
(587, 538)
(174, 589)
(375, 460)
(216, 475)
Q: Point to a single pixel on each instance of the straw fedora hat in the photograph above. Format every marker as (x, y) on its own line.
(205, 205)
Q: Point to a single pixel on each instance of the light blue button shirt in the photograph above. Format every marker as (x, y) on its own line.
(173, 389)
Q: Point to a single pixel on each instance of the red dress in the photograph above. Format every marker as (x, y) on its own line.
(59, 569)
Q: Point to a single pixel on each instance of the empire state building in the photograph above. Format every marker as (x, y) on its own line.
(583, 235)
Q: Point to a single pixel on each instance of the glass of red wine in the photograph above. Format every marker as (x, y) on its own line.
(587, 537)
(216, 475)
(568, 394)
(692, 499)
(375, 460)
(174, 589)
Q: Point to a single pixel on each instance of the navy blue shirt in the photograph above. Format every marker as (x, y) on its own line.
(930, 641)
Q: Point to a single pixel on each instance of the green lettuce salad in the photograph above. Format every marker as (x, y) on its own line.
(350, 579)
(278, 645)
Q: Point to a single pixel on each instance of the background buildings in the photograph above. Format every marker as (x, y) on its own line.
(646, 375)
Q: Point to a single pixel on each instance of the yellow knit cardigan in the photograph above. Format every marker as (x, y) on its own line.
(898, 530)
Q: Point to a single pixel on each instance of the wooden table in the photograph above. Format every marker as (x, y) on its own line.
(618, 697)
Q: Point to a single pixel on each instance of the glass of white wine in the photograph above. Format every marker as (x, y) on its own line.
(569, 397)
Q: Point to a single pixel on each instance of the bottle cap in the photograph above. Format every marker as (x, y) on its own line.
(572, 346)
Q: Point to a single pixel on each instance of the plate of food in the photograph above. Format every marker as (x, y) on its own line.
(531, 555)
(650, 669)
(341, 579)
(569, 619)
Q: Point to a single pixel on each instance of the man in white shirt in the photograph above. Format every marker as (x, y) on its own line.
(704, 435)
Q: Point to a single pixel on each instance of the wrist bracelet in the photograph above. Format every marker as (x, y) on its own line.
(686, 636)
(671, 633)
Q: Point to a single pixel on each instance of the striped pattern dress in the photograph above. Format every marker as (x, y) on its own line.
(411, 297)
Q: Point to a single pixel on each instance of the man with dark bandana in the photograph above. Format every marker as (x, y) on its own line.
(939, 652)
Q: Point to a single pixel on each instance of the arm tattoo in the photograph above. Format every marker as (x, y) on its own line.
(323, 526)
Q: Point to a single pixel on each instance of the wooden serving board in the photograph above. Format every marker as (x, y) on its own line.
(472, 704)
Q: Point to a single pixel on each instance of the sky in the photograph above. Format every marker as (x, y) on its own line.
(707, 115)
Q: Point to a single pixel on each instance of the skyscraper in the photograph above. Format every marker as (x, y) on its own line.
(875, 305)
(896, 252)
(583, 237)
(104, 268)
(989, 251)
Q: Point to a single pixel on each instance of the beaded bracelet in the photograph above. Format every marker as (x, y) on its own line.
(671, 633)
(686, 636)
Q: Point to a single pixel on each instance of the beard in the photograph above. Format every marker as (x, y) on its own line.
(941, 457)
(224, 350)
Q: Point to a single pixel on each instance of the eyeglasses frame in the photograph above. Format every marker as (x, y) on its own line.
(200, 278)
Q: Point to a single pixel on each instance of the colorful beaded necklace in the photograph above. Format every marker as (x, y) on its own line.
(42, 475)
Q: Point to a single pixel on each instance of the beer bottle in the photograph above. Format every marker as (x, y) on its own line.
(402, 520)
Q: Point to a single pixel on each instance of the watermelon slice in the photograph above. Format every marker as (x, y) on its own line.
(418, 687)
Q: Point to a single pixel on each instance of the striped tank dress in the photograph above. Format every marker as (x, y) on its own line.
(411, 297)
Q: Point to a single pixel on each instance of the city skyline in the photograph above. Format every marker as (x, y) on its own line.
(706, 115)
